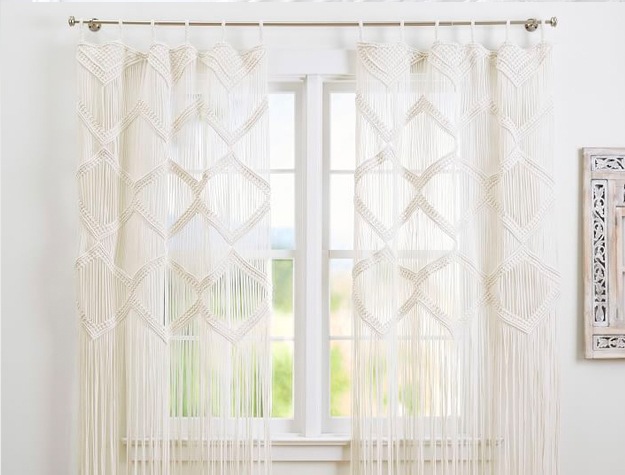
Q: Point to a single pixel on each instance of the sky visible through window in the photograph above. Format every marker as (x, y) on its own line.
(342, 116)
(282, 157)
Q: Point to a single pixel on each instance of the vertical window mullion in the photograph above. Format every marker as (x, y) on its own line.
(300, 275)
(325, 343)
(311, 329)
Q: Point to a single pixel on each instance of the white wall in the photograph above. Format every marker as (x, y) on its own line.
(39, 325)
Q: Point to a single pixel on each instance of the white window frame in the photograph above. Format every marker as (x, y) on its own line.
(312, 434)
(311, 376)
(288, 426)
(310, 266)
(337, 84)
(311, 257)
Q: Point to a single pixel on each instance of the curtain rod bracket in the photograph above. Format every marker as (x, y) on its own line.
(532, 24)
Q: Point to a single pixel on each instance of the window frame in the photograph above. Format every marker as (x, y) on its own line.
(312, 420)
(312, 435)
(312, 357)
(311, 258)
(279, 426)
(340, 84)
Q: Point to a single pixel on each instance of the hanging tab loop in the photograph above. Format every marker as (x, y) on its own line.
(436, 30)
(120, 25)
(81, 31)
(507, 30)
(472, 32)
(223, 31)
(402, 34)
(360, 30)
(153, 28)
(542, 31)
(186, 32)
(261, 32)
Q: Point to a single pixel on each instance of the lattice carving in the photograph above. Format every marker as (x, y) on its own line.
(609, 342)
(608, 162)
(604, 256)
(599, 254)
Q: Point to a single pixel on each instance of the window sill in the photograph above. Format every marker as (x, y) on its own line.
(284, 448)
(329, 448)
(310, 449)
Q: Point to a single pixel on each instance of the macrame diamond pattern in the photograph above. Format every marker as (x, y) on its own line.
(513, 184)
(109, 196)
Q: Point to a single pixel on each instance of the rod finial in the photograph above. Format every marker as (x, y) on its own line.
(71, 20)
(531, 24)
(94, 24)
(553, 21)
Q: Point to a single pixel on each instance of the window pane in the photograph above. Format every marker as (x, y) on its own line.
(340, 297)
(282, 382)
(282, 318)
(282, 130)
(282, 211)
(184, 378)
(342, 131)
(342, 211)
(427, 389)
(340, 378)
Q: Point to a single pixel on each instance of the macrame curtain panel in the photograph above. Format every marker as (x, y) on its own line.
(173, 284)
(454, 279)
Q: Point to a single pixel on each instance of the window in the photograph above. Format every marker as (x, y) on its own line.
(185, 401)
(312, 160)
(284, 101)
(312, 123)
(338, 229)
(320, 263)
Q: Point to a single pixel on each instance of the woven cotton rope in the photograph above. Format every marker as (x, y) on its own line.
(173, 284)
(454, 281)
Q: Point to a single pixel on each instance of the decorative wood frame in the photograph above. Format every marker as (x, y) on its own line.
(604, 252)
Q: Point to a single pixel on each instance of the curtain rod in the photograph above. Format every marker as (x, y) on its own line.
(531, 24)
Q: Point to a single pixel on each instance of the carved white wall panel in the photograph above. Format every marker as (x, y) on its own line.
(604, 256)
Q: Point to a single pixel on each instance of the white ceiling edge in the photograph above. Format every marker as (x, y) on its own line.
(306, 1)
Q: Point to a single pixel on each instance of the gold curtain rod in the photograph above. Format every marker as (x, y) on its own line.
(531, 24)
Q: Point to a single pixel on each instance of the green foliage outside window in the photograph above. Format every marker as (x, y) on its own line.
(185, 397)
